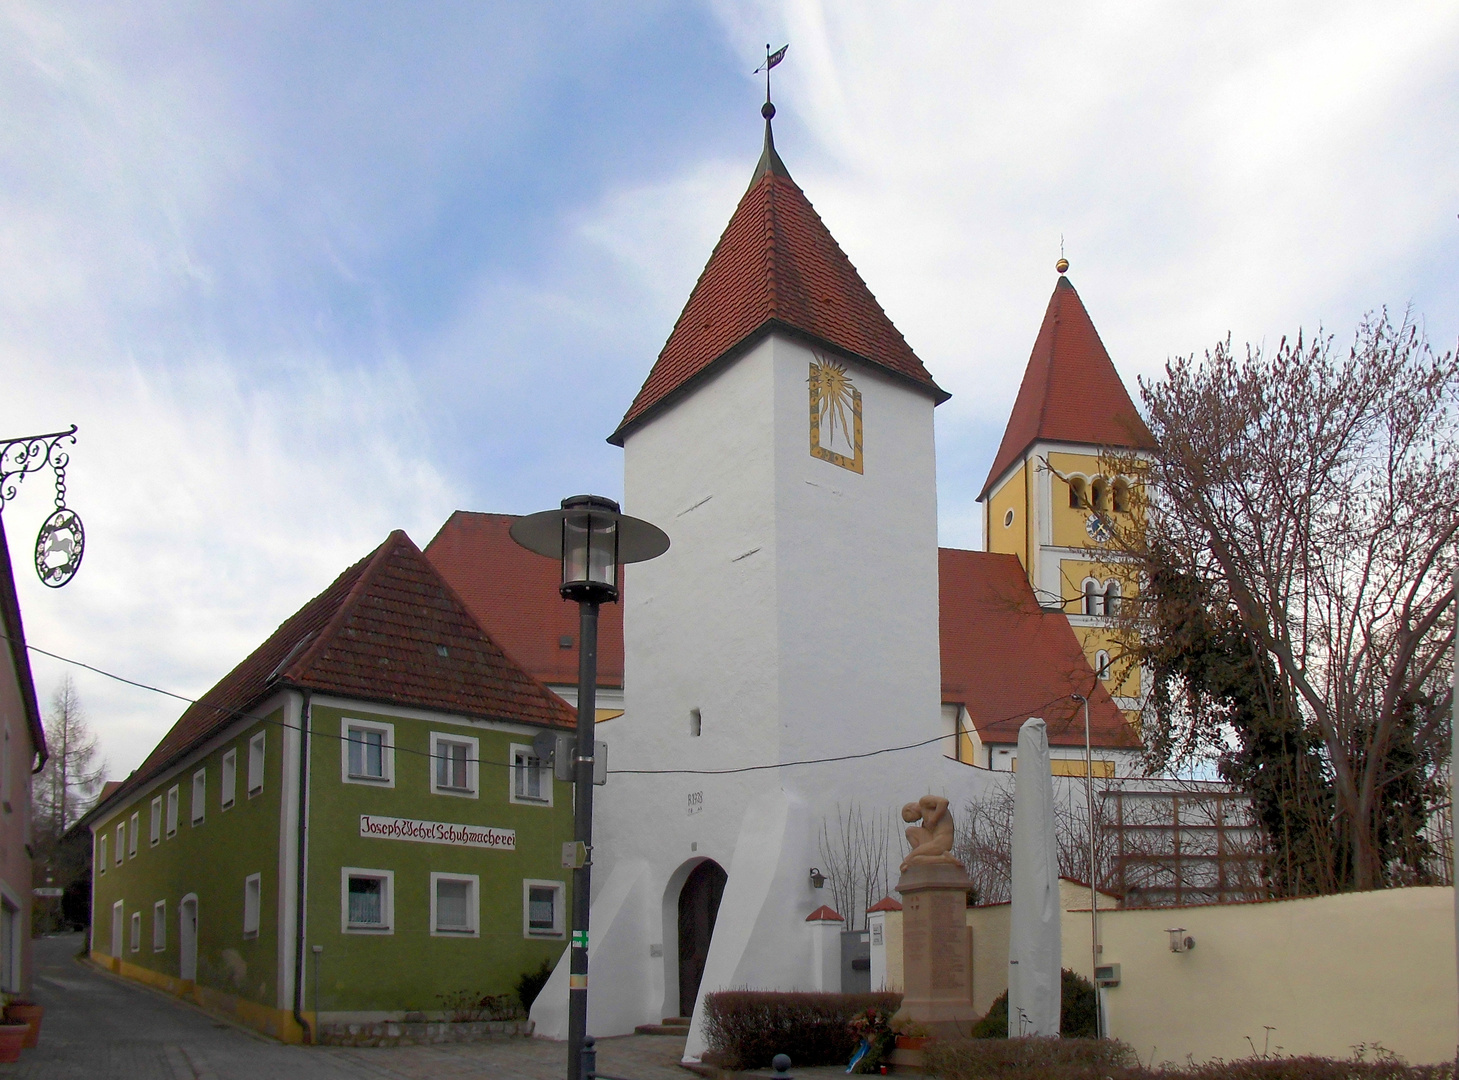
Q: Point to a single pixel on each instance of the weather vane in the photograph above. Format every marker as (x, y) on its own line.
(771, 59)
(61, 541)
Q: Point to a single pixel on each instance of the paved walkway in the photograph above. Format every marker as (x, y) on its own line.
(100, 1027)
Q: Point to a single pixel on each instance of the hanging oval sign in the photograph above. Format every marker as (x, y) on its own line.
(59, 547)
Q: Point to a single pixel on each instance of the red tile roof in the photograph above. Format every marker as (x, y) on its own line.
(776, 267)
(886, 903)
(1070, 393)
(824, 914)
(1005, 659)
(513, 593)
(376, 634)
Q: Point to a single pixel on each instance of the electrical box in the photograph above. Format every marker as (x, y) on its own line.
(600, 763)
(1107, 975)
(557, 750)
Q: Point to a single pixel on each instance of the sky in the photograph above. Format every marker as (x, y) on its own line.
(304, 273)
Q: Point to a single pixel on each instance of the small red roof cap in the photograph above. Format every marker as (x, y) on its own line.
(824, 914)
(886, 903)
(777, 266)
(1071, 391)
(1005, 659)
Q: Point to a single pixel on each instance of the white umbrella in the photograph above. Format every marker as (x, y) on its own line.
(1033, 946)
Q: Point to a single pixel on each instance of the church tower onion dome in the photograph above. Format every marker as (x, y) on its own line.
(1071, 392)
(776, 267)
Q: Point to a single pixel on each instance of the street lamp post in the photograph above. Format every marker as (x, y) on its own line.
(592, 539)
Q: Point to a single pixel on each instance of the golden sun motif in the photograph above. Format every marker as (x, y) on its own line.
(835, 404)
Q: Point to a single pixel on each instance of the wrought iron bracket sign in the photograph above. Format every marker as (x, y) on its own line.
(61, 541)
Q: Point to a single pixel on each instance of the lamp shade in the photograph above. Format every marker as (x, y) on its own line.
(592, 539)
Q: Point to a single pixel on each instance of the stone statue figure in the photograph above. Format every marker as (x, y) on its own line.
(932, 840)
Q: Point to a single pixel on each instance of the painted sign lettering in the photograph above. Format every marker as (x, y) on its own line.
(438, 832)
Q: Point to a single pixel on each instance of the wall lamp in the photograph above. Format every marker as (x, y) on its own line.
(1179, 942)
(818, 879)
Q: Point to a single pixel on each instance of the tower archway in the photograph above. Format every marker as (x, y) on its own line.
(698, 907)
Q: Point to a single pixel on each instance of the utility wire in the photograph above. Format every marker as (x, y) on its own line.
(241, 715)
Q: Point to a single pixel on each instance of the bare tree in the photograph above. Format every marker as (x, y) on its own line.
(857, 853)
(72, 774)
(1303, 499)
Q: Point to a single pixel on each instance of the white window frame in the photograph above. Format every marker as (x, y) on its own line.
(159, 926)
(257, 751)
(121, 851)
(156, 825)
(1101, 666)
(473, 906)
(387, 900)
(101, 853)
(228, 792)
(387, 753)
(200, 796)
(473, 772)
(134, 834)
(252, 904)
(174, 796)
(544, 772)
(136, 931)
(559, 915)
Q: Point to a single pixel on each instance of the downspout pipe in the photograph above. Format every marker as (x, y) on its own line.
(301, 876)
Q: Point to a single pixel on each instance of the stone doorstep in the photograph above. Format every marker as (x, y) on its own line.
(421, 1033)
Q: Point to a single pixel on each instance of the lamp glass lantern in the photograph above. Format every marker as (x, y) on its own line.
(589, 548)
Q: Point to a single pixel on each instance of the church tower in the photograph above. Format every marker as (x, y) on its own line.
(1047, 499)
(784, 441)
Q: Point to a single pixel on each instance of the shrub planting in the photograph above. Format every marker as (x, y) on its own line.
(530, 984)
(746, 1028)
(1076, 1011)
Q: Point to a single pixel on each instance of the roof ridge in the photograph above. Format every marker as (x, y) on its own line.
(375, 560)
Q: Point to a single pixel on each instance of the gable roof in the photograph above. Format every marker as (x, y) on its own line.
(1070, 392)
(514, 594)
(14, 630)
(375, 634)
(1005, 659)
(775, 267)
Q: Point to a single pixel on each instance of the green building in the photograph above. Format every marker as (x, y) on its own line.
(350, 825)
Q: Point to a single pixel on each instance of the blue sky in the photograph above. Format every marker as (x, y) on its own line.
(304, 273)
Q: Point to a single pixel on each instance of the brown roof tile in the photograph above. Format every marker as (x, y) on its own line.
(1005, 659)
(1071, 391)
(375, 634)
(775, 266)
(513, 593)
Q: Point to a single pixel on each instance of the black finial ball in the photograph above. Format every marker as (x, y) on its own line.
(767, 110)
(781, 1062)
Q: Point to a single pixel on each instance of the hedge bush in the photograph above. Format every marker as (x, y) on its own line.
(1108, 1059)
(746, 1028)
(1076, 1011)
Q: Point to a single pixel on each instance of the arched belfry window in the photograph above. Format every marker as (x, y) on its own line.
(1111, 597)
(1093, 597)
(1122, 496)
(1077, 492)
(1101, 664)
(1099, 494)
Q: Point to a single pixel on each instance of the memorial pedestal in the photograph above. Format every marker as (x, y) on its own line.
(936, 961)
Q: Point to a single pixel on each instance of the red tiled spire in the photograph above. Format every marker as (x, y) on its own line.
(776, 267)
(1071, 392)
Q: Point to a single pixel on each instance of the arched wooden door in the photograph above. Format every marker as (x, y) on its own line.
(698, 906)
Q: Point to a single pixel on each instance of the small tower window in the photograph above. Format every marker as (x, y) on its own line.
(696, 723)
(1111, 597)
(1076, 493)
(1099, 494)
(1093, 597)
(1101, 664)
(1008, 518)
(1122, 496)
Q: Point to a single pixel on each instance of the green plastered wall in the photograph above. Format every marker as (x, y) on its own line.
(211, 859)
(409, 968)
